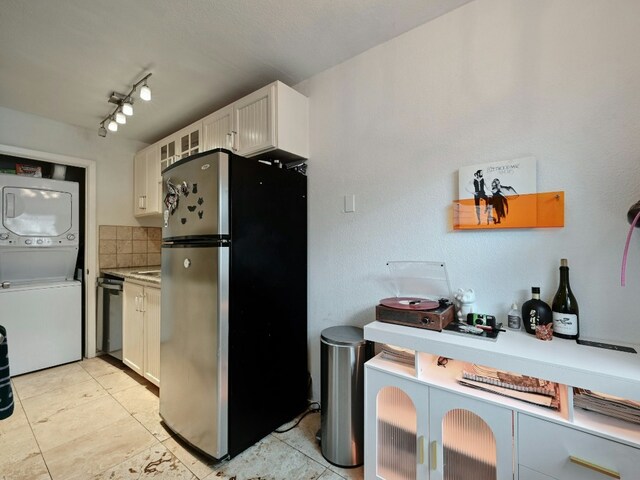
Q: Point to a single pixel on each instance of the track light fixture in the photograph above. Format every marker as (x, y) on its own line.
(124, 106)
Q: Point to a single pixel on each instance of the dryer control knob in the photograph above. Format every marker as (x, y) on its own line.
(71, 236)
(28, 241)
(39, 241)
(4, 236)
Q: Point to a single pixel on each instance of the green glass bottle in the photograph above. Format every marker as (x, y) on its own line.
(565, 307)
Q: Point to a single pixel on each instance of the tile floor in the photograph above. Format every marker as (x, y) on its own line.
(96, 419)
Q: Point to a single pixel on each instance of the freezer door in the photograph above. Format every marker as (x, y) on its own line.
(195, 193)
(194, 345)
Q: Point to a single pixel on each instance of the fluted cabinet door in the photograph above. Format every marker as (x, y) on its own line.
(469, 438)
(254, 121)
(396, 428)
(217, 130)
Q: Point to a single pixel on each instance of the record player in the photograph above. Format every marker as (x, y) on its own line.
(422, 296)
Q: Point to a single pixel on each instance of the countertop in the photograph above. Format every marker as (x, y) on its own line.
(130, 273)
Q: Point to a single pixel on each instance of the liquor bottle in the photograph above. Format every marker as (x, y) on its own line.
(535, 312)
(565, 307)
(514, 320)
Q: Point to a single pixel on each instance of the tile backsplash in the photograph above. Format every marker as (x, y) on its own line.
(124, 246)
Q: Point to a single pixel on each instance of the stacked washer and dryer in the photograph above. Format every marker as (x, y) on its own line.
(40, 301)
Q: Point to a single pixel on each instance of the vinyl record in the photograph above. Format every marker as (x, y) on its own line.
(409, 303)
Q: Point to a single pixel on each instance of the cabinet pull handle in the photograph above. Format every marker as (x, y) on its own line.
(594, 467)
(233, 144)
(433, 454)
(137, 300)
(421, 450)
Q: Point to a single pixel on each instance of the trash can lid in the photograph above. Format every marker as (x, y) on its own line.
(343, 335)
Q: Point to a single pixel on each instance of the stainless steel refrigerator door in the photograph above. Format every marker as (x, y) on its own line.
(201, 187)
(194, 345)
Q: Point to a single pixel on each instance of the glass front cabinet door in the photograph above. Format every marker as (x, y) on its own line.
(395, 428)
(469, 438)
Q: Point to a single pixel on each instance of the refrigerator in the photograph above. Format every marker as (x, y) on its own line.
(234, 300)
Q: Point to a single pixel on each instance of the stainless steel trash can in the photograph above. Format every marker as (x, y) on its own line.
(343, 352)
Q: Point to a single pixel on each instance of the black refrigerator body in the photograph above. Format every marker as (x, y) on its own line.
(234, 300)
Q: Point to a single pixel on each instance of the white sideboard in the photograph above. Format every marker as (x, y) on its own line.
(409, 408)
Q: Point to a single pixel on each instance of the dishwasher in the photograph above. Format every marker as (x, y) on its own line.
(109, 321)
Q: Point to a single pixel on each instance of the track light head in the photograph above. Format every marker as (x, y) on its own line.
(102, 131)
(127, 106)
(145, 92)
(112, 126)
(121, 118)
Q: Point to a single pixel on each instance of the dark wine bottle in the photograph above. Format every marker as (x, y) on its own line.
(535, 312)
(565, 307)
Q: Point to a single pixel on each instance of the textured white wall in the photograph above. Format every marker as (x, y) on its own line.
(113, 156)
(493, 80)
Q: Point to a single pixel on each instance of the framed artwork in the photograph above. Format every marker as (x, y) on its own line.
(502, 195)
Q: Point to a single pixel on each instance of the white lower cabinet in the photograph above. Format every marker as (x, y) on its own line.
(141, 330)
(528, 474)
(414, 431)
(449, 431)
(565, 453)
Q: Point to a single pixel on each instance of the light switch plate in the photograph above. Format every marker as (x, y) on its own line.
(349, 203)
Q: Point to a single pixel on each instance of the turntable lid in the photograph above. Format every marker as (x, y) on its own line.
(420, 279)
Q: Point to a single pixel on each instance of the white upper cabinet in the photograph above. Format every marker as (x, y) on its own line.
(254, 122)
(217, 130)
(272, 122)
(167, 150)
(189, 140)
(272, 119)
(147, 182)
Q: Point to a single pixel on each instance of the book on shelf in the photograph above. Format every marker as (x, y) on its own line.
(398, 354)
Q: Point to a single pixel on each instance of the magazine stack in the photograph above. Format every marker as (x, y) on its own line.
(607, 405)
(521, 387)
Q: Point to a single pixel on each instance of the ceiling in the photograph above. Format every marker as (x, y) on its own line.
(61, 59)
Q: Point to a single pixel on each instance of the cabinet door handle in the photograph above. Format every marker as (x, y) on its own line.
(421, 450)
(594, 467)
(234, 137)
(137, 301)
(433, 455)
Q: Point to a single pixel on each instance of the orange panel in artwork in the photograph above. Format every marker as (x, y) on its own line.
(536, 210)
